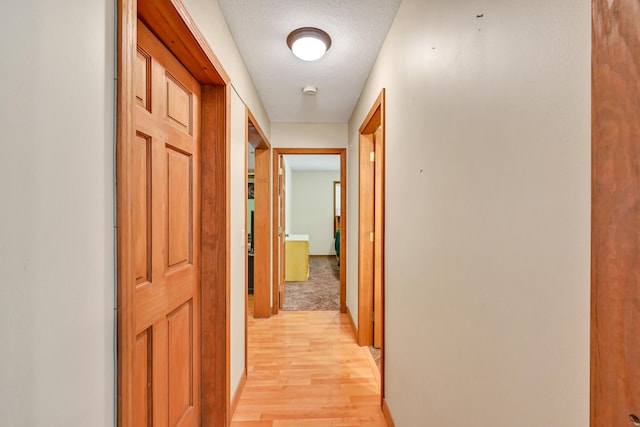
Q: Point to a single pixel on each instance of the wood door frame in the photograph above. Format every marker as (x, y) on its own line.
(615, 259)
(366, 220)
(261, 217)
(171, 23)
(343, 221)
(281, 221)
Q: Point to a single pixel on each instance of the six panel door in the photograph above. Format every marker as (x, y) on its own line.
(166, 228)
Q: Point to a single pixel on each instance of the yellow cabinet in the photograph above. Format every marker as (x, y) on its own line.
(296, 258)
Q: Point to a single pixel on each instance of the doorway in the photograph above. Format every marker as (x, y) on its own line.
(371, 231)
(279, 216)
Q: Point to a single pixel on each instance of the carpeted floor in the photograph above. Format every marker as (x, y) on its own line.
(320, 292)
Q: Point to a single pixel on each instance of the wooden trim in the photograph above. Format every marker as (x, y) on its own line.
(170, 22)
(343, 221)
(261, 248)
(365, 246)
(387, 414)
(237, 394)
(370, 214)
(246, 241)
(310, 150)
(352, 323)
(381, 220)
(174, 26)
(126, 51)
(615, 234)
(215, 277)
(371, 122)
(343, 232)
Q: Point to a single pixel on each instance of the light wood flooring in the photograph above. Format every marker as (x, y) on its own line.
(305, 369)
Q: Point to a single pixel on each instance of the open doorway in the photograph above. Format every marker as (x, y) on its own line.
(307, 235)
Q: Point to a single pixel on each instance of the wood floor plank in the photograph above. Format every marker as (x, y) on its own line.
(305, 369)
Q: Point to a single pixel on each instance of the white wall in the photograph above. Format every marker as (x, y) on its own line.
(312, 209)
(309, 135)
(487, 212)
(238, 239)
(57, 220)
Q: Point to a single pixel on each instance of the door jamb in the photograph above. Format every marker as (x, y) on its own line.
(261, 277)
(374, 119)
(171, 23)
(343, 220)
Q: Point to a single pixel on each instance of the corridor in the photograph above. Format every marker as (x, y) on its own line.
(305, 369)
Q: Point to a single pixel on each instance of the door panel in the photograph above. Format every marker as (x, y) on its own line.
(180, 362)
(165, 159)
(141, 161)
(178, 204)
(143, 380)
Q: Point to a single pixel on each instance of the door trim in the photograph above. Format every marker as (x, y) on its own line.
(615, 259)
(343, 220)
(374, 119)
(171, 23)
(261, 299)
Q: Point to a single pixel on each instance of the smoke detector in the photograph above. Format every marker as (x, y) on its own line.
(309, 90)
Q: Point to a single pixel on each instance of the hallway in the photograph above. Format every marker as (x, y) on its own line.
(305, 369)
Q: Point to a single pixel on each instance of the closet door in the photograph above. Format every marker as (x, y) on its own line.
(165, 175)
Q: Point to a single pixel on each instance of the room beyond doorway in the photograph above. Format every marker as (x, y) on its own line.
(328, 242)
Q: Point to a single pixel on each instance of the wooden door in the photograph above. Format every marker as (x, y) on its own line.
(281, 229)
(371, 238)
(615, 241)
(165, 176)
(366, 232)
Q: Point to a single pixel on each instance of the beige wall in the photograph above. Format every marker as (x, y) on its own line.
(487, 209)
(57, 216)
(309, 135)
(238, 240)
(210, 20)
(312, 209)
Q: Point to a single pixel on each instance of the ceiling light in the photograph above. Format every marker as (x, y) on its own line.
(309, 44)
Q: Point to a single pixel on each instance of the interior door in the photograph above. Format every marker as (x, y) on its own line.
(615, 237)
(281, 228)
(165, 159)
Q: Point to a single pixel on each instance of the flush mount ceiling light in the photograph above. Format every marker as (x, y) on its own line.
(308, 43)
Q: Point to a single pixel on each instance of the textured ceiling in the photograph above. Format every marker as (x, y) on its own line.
(357, 29)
